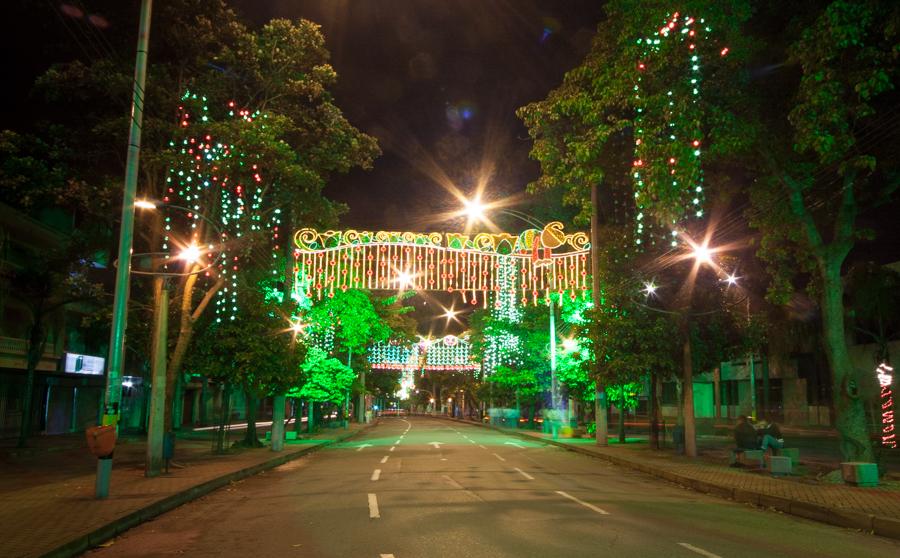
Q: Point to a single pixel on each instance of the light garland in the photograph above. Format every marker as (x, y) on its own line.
(210, 171)
(450, 353)
(667, 133)
(343, 260)
(502, 347)
(885, 374)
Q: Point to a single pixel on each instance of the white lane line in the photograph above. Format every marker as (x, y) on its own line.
(385, 556)
(524, 474)
(376, 474)
(363, 446)
(699, 551)
(482, 447)
(471, 441)
(498, 457)
(583, 503)
(392, 448)
(373, 507)
(385, 458)
(398, 441)
(518, 445)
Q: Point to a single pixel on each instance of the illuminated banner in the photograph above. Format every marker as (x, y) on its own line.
(84, 364)
(544, 261)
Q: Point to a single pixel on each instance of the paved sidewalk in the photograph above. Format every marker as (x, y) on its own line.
(47, 504)
(869, 509)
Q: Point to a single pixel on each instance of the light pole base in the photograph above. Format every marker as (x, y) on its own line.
(104, 473)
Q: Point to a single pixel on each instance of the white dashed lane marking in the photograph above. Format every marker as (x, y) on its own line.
(699, 550)
(373, 507)
(583, 503)
(498, 457)
(376, 474)
(385, 458)
(524, 474)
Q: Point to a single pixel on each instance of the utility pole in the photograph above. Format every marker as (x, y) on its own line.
(600, 404)
(113, 392)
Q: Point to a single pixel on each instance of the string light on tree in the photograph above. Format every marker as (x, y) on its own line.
(667, 175)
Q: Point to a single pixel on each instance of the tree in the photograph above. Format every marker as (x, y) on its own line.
(355, 323)
(326, 379)
(256, 351)
(648, 117)
(831, 171)
(280, 70)
(34, 179)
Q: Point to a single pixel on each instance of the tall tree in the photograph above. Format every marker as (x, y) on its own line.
(837, 164)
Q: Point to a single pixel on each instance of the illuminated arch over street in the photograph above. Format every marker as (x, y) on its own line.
(449, 353)
(544, 261)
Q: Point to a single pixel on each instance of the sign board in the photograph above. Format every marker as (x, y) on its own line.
(84, 364)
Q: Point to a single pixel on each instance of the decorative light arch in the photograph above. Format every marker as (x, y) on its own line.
(449, 353)
(544, 261)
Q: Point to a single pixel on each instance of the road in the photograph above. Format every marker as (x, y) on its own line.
(424, 487)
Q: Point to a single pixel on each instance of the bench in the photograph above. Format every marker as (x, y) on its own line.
(747, 457)
(793, 453)
(779, 464)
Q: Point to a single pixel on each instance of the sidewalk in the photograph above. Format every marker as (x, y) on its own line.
(47, 492)
(875, 510)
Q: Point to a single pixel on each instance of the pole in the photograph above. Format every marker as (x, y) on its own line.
(156, 428)
(602, 432)
(346, 412)
(554, 388)
(113, 392)
(362, 396)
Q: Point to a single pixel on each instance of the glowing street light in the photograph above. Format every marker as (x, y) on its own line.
(297, 327)
(144, 204)
(731, 279)
(569, 345)
(703, 254)
(190, 254)
(474, 209)
(650, 288)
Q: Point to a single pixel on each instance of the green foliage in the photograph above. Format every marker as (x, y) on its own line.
(326, 378)
(354, 318)
(874, 295)
(255, 350)
(582, 129)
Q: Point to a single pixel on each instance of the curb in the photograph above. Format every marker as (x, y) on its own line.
(87, 541)
(840, 517)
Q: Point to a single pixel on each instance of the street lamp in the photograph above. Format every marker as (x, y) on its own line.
(474, 209)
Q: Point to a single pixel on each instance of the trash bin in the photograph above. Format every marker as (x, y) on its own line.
(101, 440)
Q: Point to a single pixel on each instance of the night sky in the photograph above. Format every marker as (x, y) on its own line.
(438, 83)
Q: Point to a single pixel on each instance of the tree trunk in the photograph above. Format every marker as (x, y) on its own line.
(851, 415)
(654, 412)
(621, 423)
(250, 437)
(36, 339)
(690, 436)
(224, 417)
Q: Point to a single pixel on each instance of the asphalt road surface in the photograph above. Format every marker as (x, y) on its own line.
(423, 487)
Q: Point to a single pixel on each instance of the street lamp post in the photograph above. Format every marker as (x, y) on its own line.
(113, 391)
(475, 210)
